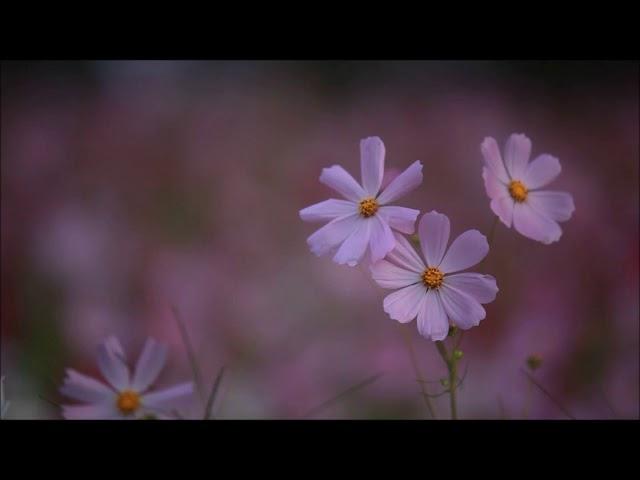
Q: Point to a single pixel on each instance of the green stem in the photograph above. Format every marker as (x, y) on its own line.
(452, 366)
(418, 373)
(527, 403)
(452, 387)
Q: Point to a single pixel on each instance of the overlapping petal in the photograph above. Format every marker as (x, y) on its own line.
(328, 210)
(466, 251)
(402, 184)
(372, 164)
(342, 182)
(535, 225)
(112, 363)
(434, 232)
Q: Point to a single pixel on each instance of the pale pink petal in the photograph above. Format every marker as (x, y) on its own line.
(400, 218)
(328, 210)
(355, 246)
(535, 225)
(503, 208)
(405, 255)
(464, 311)
(388, 275)
(150, 363)
(112, 363)
(493, 186)
(332, 234)
(342, 182)
(163, 398)
(516, 155)
(84, 388)
(432, 318)
(557, 206)
(480, 287)
(402, 184)
(434, 231)
(382, 240)
(372, 164)
(465, 251)
(96, 411)
(493, 159)
(541, 171)
(403, 305)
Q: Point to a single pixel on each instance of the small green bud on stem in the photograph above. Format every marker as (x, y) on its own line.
(534, 362)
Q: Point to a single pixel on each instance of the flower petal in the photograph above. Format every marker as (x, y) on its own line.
(112, 363)
(150, 363)
(328, 210)
(434, 231)
(432, 318)
(535, 225)
(332, 234)
(481, 288)
(557, 206)
(342, 182)
(541, 171)
(503, 208)
(516, 155)
(405, 255)
(96, 411)
(493, 186)
(372, 164)
(403, 305)
(84, 388)
(388, 275)
(464, 311)
(493, 159)
(163, 398)
(465, 251)
(382, 240)
(402, 184)
(400, 218)
(355, 246)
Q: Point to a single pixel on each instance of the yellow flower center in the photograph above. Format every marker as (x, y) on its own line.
(432, 277)
(368, 207)
(518, 191)
(128, 401)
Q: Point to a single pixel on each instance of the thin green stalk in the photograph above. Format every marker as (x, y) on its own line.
(341, 395)
(527, 404)
(418, 373)
(452, 366)
(549, 396)
(197, 375)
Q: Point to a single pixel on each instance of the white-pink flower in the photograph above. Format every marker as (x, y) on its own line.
(125, 396)
(513, 185)
(365, 218)
(430, 289)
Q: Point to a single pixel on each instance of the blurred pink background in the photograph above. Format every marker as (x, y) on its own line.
(131, 186)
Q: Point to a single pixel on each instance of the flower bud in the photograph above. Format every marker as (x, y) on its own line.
(458, 354)
(534, 362)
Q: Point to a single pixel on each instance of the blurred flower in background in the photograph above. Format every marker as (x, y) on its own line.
(131, 187)
(127, 394)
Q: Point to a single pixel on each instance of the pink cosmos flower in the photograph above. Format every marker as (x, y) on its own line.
(513, 186)
(428, 290)
(125, 396)
(365, 217)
